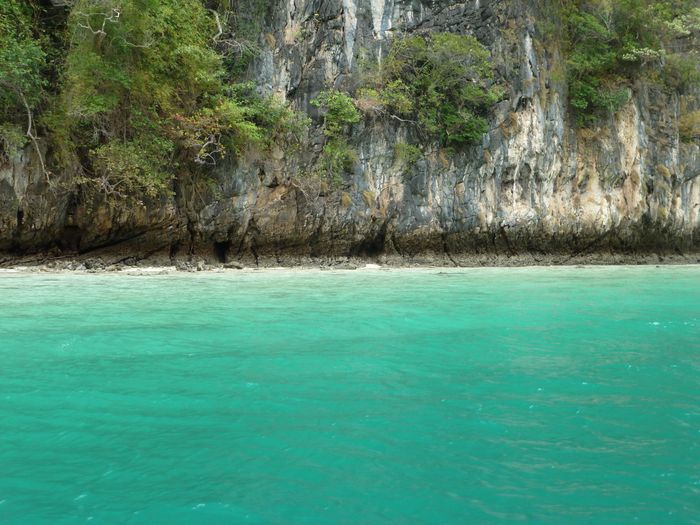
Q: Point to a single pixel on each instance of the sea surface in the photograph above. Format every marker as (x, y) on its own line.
(538, 395)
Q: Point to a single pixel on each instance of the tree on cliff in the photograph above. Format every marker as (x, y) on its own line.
(141, 92)
(22, 60)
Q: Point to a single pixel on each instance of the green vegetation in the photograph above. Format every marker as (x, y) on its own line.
(279, 124)
(240, 26)
(142, 92)
(610, 44)
(339, 113)
(689, 127)
(443, 83)
(22, 84)
(407, 154)
(337, 159)
(132, 70)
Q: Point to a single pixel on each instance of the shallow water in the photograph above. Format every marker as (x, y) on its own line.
(562, 396)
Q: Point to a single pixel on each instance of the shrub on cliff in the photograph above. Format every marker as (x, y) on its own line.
(22, 63)
(608, 45)
(443, 82)
(339, 113)
(689, 127)
(143, 95)
(132, 92)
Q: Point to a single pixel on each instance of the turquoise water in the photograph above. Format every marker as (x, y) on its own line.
(550, 396)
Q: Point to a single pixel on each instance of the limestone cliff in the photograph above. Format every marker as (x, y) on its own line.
(535, 184)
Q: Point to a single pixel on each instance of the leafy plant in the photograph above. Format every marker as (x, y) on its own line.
(337, 159)
(608, 45)
(407, 153)
(128, 168)
(689, 127)
(22, 84)
(442, 82)
(281, 125)
(339, 112)
(242, 23)
(151, 73)
(12, 139)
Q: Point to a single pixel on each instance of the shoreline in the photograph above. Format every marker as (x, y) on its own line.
(160, 265)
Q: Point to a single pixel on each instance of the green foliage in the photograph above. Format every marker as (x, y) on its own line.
(241, 120)
(134, 167)
(141, 90)
(689, 127)
(21, 54)
(610, 44)
(337, 159)
(682, 70)
(134, 92)
(407, 154)
(591, 97)
(397, 95)
(132, 70)
(339, 112)
(12, 139)
(143, 96)
(443, 82)
(246, 19)
(279, 124)
(22, 60)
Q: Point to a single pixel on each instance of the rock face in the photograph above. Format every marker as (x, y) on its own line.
(536, 184)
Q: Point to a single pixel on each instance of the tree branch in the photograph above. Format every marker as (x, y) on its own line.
(230, 42)
(30, 127)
